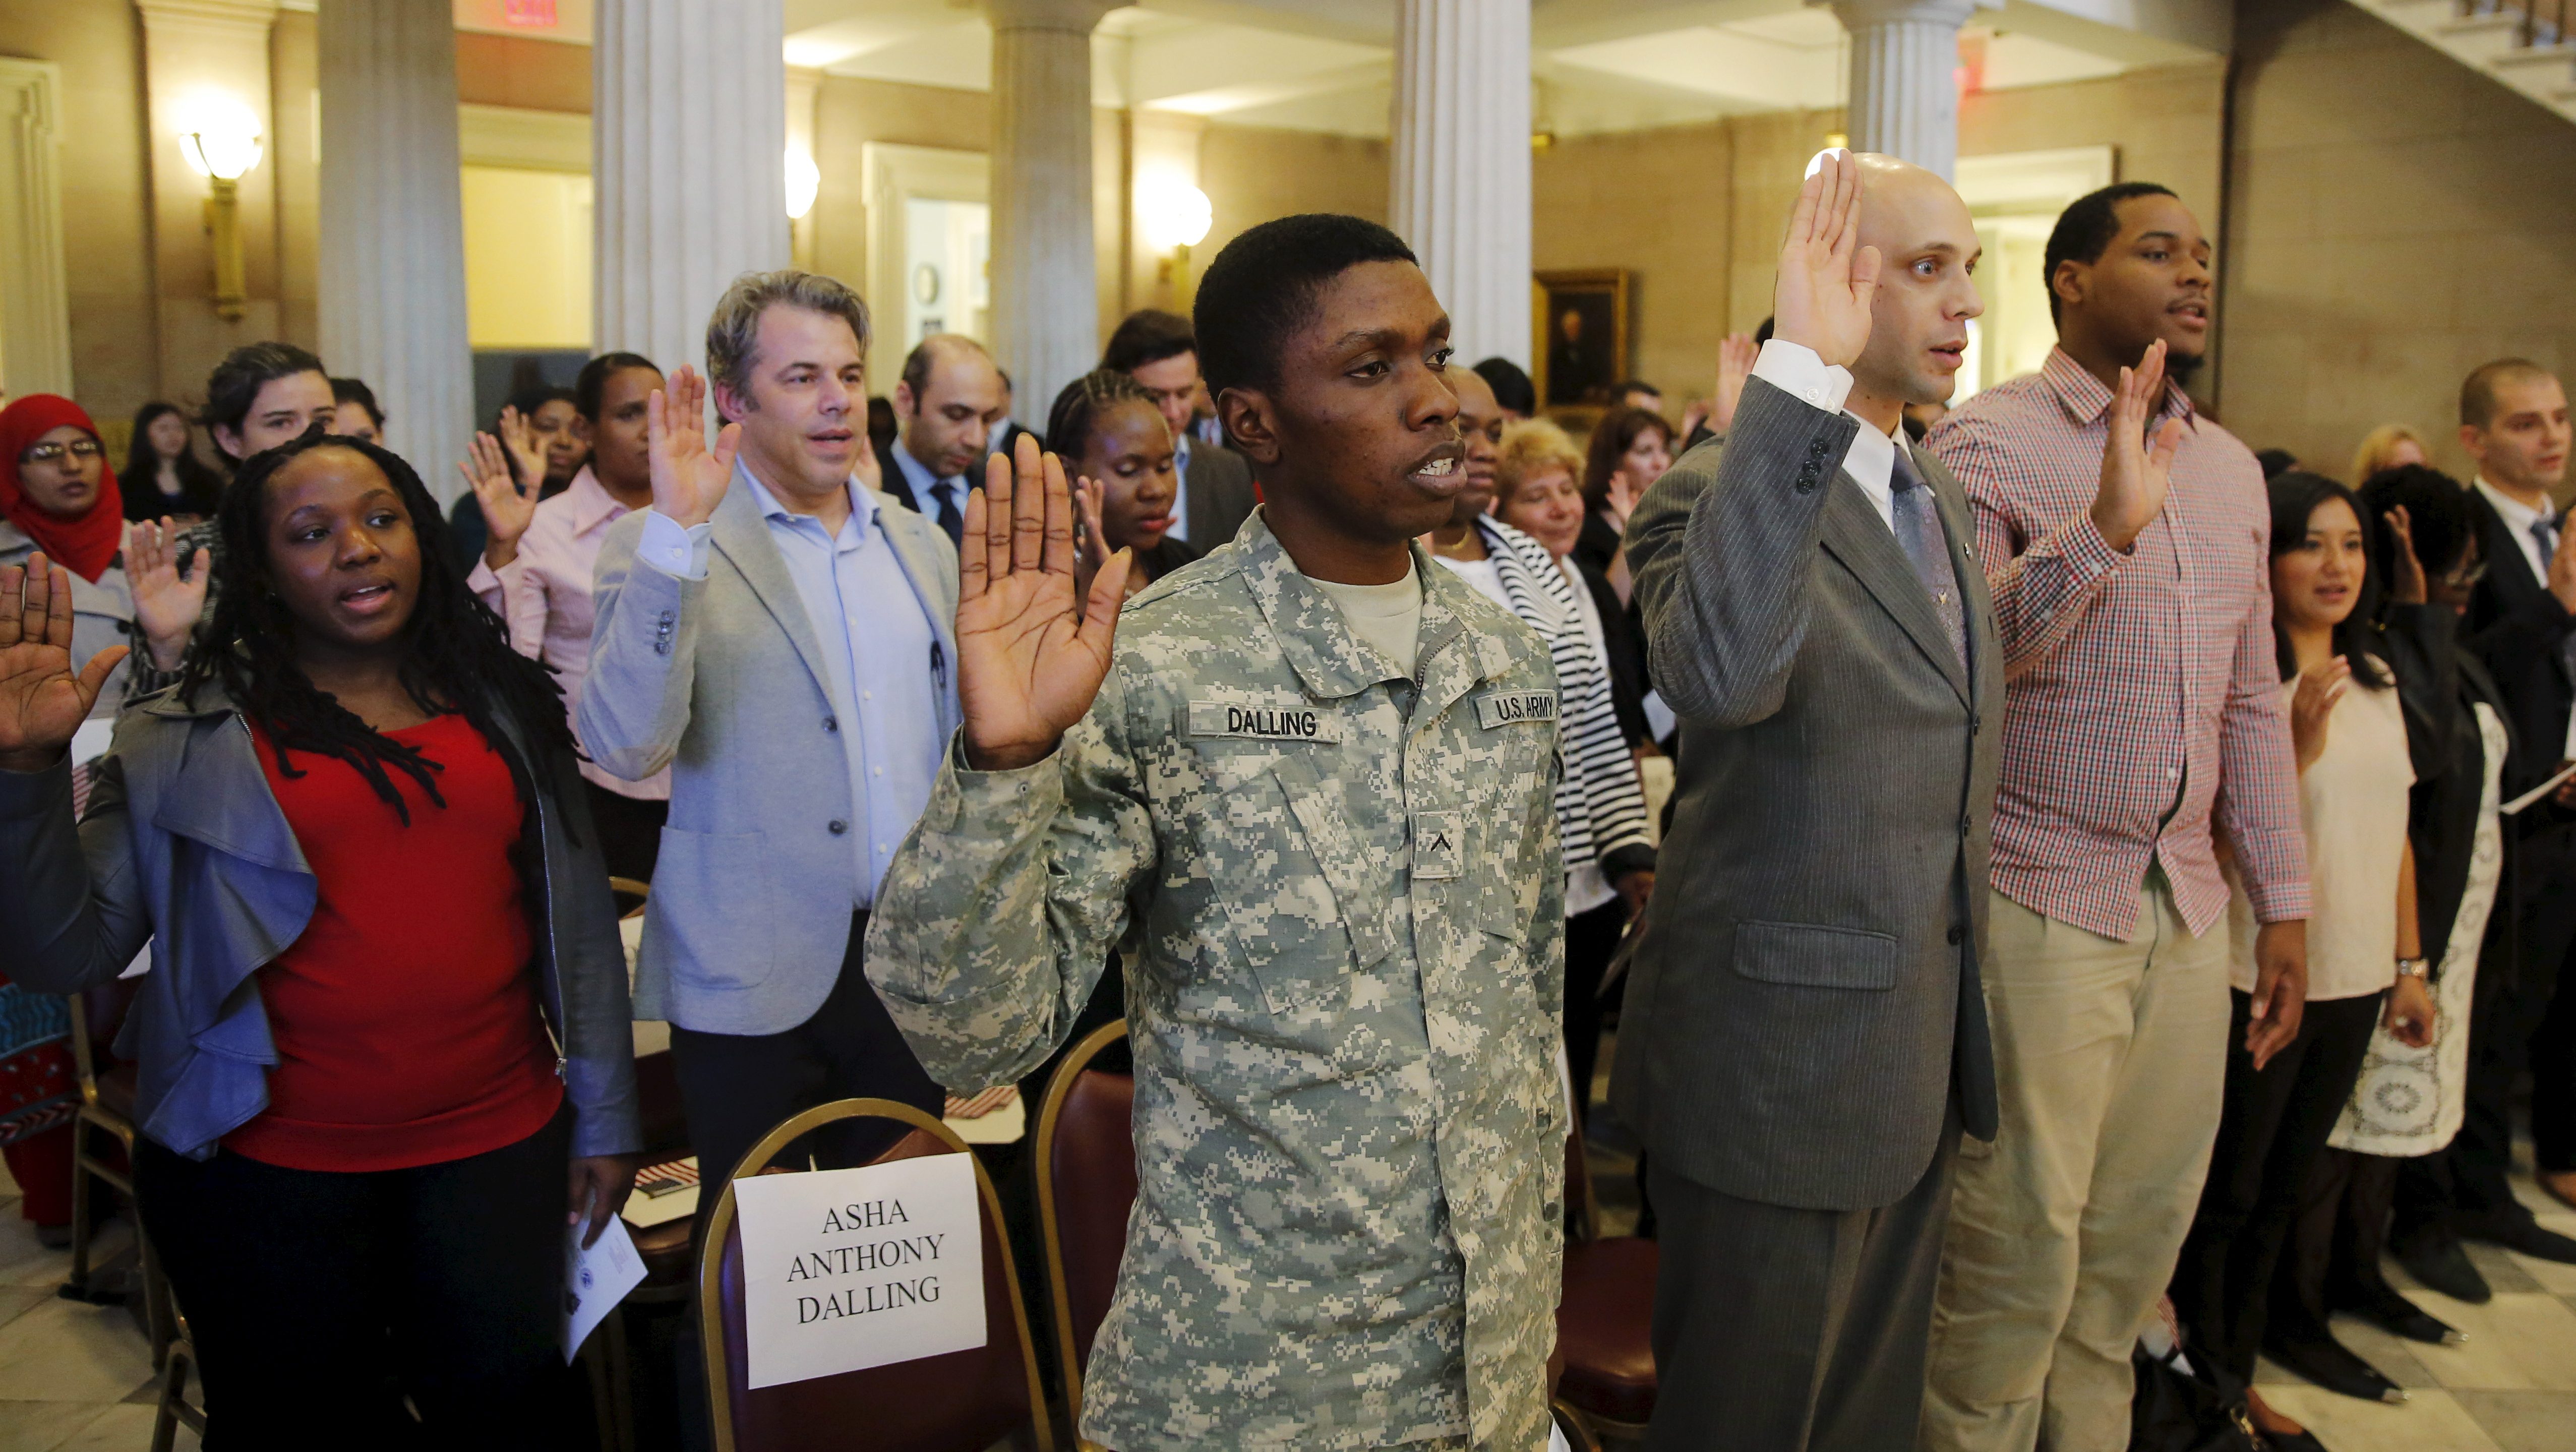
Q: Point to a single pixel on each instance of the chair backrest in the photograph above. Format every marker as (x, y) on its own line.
(964, 1401)
(630, 894)
(1086, 1169)
(1582, 1211)
(98, 1015)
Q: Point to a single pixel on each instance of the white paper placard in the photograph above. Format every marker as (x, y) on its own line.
(596, 1278)
(848, 1269)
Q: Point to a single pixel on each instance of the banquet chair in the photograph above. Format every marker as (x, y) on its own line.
(1086, 1174)
(1605, 1314)
(107, 1106)
(961, 1401)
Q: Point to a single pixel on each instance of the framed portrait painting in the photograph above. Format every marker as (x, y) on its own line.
(1581, 350)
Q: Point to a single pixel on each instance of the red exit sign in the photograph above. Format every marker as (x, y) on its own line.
(532, 14)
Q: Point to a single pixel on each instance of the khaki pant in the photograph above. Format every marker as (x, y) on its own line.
(2110, 1064)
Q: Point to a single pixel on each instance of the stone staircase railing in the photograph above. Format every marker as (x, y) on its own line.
(2529, 45)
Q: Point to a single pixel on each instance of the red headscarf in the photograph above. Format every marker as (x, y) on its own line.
(85, 544)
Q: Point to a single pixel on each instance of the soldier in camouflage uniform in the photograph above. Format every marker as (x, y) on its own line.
(1335, 872)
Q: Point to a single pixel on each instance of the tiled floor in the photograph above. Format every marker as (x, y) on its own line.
(78, 1378)
(2510, 1388)
(73, 1377)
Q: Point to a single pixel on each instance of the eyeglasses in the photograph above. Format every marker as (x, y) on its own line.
(50, 453)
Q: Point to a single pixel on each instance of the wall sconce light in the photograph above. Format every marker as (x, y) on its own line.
(219, 139)
(804, 183)
(1177, 216)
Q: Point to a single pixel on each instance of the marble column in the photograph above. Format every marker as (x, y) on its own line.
(689, 149)
(1462, 164)
(1046, 286)
(392, 259)
(1904, 78)
(196, 52)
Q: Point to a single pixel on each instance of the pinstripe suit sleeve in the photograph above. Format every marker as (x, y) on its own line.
(1723, 558)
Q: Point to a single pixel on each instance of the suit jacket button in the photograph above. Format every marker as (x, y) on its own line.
(839, 827)
(1967, 825)
(1957, 934)
(831, 723)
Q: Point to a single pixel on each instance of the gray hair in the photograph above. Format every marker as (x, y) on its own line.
(733, 330)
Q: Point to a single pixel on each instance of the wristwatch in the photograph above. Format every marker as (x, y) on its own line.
(2413, 967)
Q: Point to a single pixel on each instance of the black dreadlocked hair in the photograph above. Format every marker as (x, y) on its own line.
(1068, 427)
(457, 654)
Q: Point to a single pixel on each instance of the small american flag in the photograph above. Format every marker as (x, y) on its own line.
(979, 1105)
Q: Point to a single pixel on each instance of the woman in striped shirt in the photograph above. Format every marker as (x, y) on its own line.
(1600, 807)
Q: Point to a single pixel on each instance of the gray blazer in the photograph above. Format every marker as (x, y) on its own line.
(185, 846)
(1806, 994)
(723, 680)
(1218, 486)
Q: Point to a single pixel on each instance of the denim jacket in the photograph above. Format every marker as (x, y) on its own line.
(185, 846)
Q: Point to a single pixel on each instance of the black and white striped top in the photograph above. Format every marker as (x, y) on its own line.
(1600, 807)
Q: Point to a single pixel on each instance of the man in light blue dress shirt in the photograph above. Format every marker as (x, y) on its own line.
(780, 636)
(952, 402)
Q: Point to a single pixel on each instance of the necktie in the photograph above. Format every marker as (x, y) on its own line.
(1918, 529)
(945, 492)
(2545, 530)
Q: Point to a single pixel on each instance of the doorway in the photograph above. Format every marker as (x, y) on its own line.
(930, 243)
(2015, 198)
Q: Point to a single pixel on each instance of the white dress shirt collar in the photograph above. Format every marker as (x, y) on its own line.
(918, 479)
(863, 508)
(2519, 518)
(1871, 460)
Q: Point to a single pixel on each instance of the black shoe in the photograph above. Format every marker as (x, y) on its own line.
(2520, 1232)
(2383, 1307)
(2302, 1441)
(2437, 1259)
(2329, 1364)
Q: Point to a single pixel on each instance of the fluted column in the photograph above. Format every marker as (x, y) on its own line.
(1904, 78)
(1462, 164)
(689, 149)
(1046, 290)
(392, 259)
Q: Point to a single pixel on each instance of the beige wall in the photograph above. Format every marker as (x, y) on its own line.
(2167, 124)
(106, 226)
(1255, 173)
(1659, 203)
(2398, 219)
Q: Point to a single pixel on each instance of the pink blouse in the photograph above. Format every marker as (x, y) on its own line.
(544, 595)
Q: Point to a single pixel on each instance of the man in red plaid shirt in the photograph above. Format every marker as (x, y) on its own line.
(2126, 539)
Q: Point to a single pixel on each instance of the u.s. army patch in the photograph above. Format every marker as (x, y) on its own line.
(1292, 721)
(1510, 708)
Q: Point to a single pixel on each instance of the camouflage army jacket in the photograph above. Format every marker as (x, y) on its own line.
(1340, 894)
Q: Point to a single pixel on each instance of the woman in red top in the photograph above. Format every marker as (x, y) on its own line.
(387, 1016)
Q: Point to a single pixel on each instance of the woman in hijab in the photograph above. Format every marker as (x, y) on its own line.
(57, 496)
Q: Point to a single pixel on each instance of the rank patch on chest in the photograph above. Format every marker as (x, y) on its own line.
(1436, 850)
(1293, 721)
(1511, 708)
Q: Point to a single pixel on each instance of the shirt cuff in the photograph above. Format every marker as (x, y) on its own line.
(679, 553)
(1794, 369)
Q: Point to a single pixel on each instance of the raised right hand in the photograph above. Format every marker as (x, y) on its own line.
(1031, 652)
(506, 507)
(689, 479)
(41, 702)
(2136, 471)
(1826, 278)
(2312, 706)
(167, 600)
(2562, 566)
